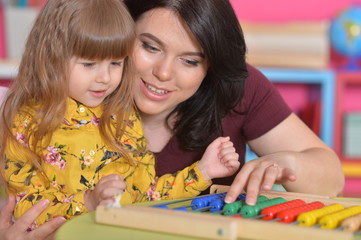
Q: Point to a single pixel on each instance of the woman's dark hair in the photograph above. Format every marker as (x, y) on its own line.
(216, 27)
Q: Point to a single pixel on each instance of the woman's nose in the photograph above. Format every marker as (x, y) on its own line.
(163, 70)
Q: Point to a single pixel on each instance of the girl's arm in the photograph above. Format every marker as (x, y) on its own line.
(30, 186)
(219, 160)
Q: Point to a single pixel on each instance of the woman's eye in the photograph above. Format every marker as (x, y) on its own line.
(191, 62)
(149, 47)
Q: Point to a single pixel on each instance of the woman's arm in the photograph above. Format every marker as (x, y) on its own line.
(291, 155)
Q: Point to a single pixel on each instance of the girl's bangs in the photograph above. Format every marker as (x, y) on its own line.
(92, 46)
(104, 34)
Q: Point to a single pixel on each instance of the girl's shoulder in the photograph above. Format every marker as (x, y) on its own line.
(24, 117)
(135, 125)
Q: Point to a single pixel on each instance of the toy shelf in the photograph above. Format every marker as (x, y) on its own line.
(288, 81)
(325, 79)
(348, 100)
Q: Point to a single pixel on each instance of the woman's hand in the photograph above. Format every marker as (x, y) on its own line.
(18, 230)
(262, 174)
(291, 155)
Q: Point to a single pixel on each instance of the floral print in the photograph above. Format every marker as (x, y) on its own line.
(53, 156)
(21, 138)
(77, 158)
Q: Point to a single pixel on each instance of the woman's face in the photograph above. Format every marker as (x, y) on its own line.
(169, 61)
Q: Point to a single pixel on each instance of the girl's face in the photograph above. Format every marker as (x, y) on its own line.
(92, 81)
(169, 61)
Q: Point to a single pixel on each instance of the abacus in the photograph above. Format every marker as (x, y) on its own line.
(277, 215)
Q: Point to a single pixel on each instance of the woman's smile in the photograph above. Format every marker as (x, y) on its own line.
(153, 93)
(155, 90)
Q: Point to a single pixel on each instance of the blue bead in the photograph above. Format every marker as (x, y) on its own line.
(216, 205)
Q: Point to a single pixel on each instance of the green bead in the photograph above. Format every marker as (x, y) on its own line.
(261, 198)
(232, 208)
(252, 211)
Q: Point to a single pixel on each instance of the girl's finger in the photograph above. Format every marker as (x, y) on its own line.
(230, 157)
(226, 151)
(111, 177)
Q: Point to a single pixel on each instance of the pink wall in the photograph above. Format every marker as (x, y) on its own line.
(2, 34)
(284, 10)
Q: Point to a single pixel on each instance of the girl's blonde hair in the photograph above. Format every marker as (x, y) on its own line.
(89, 29)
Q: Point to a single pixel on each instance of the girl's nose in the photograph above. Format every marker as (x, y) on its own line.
(103, 76)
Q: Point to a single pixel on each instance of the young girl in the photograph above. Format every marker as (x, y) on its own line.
(70, 131)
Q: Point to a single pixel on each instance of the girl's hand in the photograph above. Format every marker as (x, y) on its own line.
(104, 192)
(219, 160)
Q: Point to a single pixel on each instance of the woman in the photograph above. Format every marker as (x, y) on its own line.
(192, 86)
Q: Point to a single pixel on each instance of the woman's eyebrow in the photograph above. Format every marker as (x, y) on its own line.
(159, 42)
(152, 37)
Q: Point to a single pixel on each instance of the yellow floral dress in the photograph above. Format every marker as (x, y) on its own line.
(77, 158)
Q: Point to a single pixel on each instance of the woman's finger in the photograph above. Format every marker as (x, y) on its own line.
(29, 216)
(270, 176)
(47, 229)
(7, 212)
(238, 184)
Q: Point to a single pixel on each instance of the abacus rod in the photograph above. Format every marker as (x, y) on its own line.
(182, 200)
(340, 228)
(295, 222)
(317, 225)
(203, 209)
(275, 220)
(177, 201)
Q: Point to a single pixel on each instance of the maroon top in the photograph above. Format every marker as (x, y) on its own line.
(263, 108)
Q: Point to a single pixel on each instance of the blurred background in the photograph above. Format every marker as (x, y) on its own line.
(311, 50)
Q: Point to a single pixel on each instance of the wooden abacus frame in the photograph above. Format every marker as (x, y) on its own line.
(221, 227)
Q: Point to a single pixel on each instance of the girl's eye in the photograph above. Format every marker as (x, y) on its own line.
(119, 63)
(149, 47)
(88, 64)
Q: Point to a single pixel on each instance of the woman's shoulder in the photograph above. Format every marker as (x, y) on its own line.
(258, 86)
(263, 105)
(255, 76)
